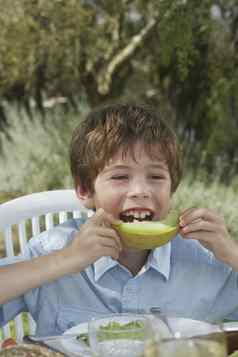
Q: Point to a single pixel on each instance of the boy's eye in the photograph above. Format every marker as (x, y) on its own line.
(119, 177)
(157, 177)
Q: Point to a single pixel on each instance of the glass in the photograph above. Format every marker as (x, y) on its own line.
(118, 336)
(186, 337)
(203, 346)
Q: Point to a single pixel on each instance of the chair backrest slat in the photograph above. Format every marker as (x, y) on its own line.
(25, 217)
(8, 242)
(6, 331)
(31, 322)
(63, 217)
(19, 327)
(35, 222)
(76, 214)
(49, 221)
(22, 236)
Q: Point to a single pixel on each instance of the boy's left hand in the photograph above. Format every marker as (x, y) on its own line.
(210, 230)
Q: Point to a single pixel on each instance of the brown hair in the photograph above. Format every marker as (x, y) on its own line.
(98, 137)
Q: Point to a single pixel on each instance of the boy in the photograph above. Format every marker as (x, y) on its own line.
(125, 162)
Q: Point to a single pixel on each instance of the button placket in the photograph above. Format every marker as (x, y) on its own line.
(129, 296)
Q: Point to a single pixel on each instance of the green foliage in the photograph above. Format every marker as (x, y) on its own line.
(35, 153)
(179, 54)
(39, 39)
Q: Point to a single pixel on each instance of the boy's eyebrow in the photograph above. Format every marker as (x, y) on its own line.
(159, 166)
(113, 167)
(162, 166)
(152, 166)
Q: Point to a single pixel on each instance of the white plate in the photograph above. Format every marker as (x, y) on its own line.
(74, 345)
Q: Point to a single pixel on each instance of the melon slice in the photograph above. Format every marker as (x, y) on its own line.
(148, 235)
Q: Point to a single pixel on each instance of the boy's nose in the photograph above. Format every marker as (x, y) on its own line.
(139, 189)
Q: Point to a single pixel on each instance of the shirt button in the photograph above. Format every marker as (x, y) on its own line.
(155, 310)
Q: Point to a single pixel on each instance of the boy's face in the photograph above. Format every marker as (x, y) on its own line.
(136, 186)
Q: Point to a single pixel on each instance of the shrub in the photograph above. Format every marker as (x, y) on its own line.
(196, 191)
(34, 151)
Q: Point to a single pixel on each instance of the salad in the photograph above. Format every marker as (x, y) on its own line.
(128, 330)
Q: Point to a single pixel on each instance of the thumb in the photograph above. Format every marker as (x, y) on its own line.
(102, 218)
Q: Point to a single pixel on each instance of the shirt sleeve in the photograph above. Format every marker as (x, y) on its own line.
(54, 239)
(226, 301)
(43, 244)
(11, 309)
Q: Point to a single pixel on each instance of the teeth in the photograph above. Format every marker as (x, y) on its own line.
(137, 215)
(143, 214)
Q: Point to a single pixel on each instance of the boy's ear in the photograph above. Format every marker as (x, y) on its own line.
(85, 196)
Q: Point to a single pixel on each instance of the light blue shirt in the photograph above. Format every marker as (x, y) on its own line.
(180, 278)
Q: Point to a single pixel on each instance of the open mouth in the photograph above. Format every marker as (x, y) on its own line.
(133, 215)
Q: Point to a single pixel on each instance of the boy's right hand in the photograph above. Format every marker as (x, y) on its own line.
(95, 239)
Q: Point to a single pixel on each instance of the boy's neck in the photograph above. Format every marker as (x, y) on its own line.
(133, 260)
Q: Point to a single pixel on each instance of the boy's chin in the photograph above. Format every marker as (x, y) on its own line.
(127, 250)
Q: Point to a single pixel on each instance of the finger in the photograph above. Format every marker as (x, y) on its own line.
(206, 241)
(192, 214)
(201, 236)
(184, 216)
(102, 218)
(112, 234)
(187, 210)
(110, 252)
(106, 243)
(112, 220)
(195, 214)
(98, 217)
(197, 225)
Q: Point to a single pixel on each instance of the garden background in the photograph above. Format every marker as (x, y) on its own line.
(60, 58)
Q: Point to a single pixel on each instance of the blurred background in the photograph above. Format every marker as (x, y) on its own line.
(60, 58)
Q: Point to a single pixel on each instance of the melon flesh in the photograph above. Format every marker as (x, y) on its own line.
(146, 235)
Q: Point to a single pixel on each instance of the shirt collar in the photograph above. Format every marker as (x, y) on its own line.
(102, 265)
(159, 260)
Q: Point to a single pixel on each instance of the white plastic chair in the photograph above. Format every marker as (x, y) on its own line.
(25, 217)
